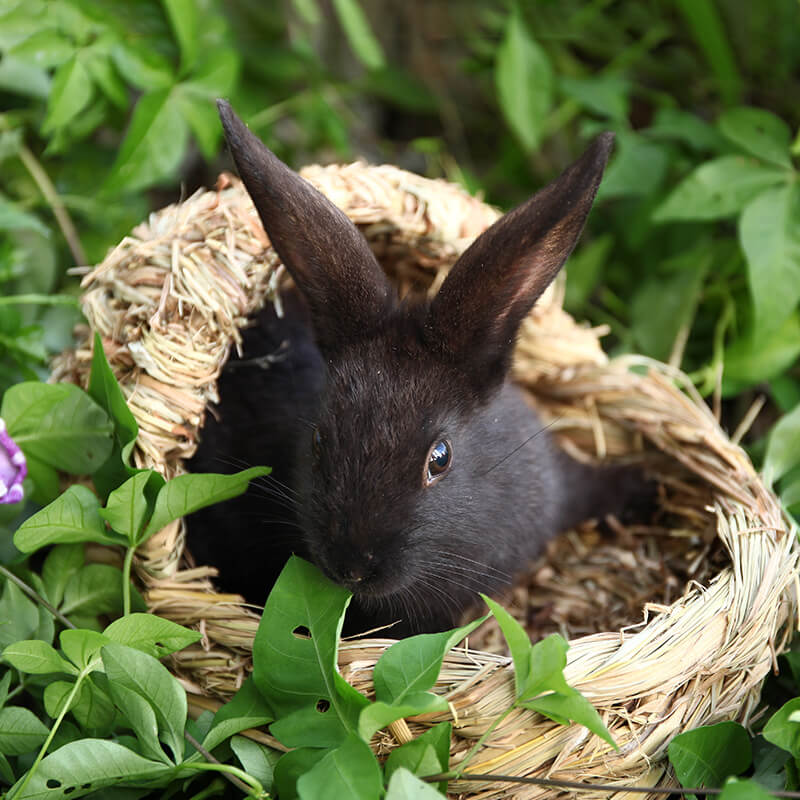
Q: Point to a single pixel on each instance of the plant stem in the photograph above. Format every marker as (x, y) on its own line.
(477, 746)
(254, 785)
(64, 709)
(40, 299)
(210, 758)
(50, 194)
(35, 596)
(126, 580)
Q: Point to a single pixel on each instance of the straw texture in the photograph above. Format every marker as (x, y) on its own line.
(686, 615)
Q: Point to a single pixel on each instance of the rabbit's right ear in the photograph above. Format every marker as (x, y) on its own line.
(347, 292)
(474, 318)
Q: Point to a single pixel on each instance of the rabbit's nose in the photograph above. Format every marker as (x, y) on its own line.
(353, 575)
(356, 573)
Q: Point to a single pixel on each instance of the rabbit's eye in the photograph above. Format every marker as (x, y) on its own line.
(439, 460)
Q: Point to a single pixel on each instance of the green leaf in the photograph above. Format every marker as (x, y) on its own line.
(71, 93)
(683, 126)
(584, 270)
(36, 658)
(404, 785)
(62, 562)
(13, 218)
(246, 709)
(524, 80)
(637, 169)
(82, 647)
(758, 132)
(216, 75)
(359, 34)
(412, 665)
(752, 359)
(20, 731)
(428, 754)
(572, 706)
(188, 493)
(84, 766)
(769, 764)
(783, 447)
(782, 731)
(378, 715)
(314, 725)
(718, 189)
(5, 684)
(291, 766)
(56, 695)
(19, 617)
(142, 66)
(141, 718)
(101, 68)
(105, 391)
(707, 27)
(72, 517)
(23, 78)
(95, 589)
(126, 507)
(201, 114)
(351, 770)
(151, 680)
(547, 661)
(256, 759)
(6, 773)
(769, 231)
(736, 789)
(519, 644)
(403, 675)
(661, 308)
(153, 635)
(707, 756)
(94, 710)
(295, 671)
(606, 95)
(58, 424)
(153, 146)
(184, 18)
(46, 49)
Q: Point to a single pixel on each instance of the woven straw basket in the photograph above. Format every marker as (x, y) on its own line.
(169, 302)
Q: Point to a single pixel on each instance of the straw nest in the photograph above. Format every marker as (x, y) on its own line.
(673, 624)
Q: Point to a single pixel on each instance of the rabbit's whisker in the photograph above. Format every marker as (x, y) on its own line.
(519, 447)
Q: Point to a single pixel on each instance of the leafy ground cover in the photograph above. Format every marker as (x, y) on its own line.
(106, 111)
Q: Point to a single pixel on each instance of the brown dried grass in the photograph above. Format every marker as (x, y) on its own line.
(673, 624)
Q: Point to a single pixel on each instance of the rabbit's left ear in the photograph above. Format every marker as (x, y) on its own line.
(347, 292)
(474, 318)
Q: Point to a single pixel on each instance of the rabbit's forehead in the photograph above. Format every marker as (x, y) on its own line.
(392, 393)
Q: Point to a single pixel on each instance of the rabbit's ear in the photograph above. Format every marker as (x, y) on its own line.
(475, 316)
(346, 289)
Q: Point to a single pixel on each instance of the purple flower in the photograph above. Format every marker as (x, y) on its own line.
(13, 467)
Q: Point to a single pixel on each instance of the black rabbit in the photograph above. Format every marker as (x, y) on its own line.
(406, 465)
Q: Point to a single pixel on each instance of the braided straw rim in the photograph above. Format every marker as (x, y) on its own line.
(168, 302)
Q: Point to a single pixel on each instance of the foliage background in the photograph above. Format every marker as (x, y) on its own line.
(107, 113)
(692, 253)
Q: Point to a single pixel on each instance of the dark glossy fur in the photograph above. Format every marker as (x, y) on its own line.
(388, 381)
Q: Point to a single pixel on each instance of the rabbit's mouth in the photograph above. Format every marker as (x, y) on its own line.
(364, 579)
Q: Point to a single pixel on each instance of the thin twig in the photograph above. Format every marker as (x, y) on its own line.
(748, 419)
(35, 596)
(211, 759)
(42, 180)
(588, 787)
